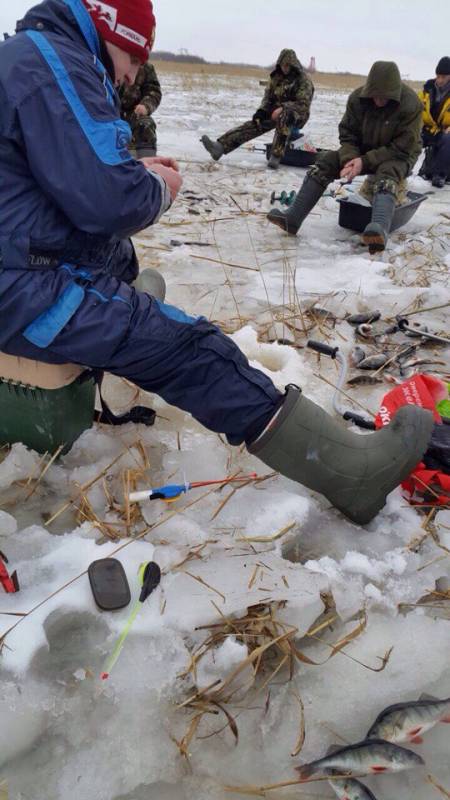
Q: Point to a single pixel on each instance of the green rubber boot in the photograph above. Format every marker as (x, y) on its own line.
(355, 472)
(151, 282)
(376, 233)
(308, 196)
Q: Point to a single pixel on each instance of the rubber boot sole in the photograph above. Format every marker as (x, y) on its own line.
(282, 222)
(374, 241)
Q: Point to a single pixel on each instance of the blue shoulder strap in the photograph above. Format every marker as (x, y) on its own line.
(85, 25)
(90, 34)
(109, 140)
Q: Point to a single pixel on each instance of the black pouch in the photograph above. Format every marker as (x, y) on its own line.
(109, 584)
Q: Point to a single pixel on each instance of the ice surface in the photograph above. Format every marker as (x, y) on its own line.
(68, 736)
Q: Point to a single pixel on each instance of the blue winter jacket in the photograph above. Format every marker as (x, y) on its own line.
(69, 190)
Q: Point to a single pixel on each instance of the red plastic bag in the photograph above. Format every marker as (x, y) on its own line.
(424, 486)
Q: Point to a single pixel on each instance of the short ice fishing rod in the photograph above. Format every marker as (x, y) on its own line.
(149, 580)
(172, 492)
(335, 353)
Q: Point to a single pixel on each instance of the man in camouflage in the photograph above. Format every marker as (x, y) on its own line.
(138, 102)
(380, 137)
(285, 106)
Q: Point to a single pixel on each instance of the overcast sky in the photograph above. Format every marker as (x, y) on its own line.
(343, 35)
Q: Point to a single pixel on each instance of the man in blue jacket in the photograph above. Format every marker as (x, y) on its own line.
(71, 196)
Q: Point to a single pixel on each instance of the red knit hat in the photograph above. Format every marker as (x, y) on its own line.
(129, 24)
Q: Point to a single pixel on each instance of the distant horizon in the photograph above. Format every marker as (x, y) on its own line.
(343, 40)
(187, 55)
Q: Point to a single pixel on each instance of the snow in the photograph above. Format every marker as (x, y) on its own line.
(69, 735)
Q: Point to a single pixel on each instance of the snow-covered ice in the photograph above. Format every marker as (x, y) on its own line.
(68, 736)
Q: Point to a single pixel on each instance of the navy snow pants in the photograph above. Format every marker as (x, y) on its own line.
(441, 156)
(188, 361)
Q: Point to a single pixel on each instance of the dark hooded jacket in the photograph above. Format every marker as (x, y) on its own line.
(146, 90)
(381, 134)
(294, 91)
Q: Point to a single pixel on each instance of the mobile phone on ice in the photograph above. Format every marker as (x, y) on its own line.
(109, 584)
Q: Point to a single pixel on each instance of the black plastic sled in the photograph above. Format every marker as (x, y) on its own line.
(295, 158)
(354, 216)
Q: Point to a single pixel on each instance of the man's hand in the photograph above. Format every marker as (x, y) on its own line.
(141, 111)
(351, 169)
(149, 162)
(171, 176)
(275, 114)
(260, 116)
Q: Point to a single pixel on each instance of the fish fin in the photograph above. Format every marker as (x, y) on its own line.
(378, 770)
(416, 740)
(333, 749)
(305, 771)
(424, 697)
(445, 719)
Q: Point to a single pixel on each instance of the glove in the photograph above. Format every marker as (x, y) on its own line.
(260, 116)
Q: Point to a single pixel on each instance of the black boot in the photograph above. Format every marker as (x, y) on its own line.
(377, 231)
(290, 220)
(274, 162)
(354, 472)
(438, 181)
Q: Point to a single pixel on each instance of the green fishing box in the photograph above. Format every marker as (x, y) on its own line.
(46, 419)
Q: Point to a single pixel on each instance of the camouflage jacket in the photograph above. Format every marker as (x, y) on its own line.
(381, 134)
(146, 90)
(294, 90)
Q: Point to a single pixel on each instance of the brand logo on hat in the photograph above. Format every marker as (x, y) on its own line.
(104, 12)
(132, 36)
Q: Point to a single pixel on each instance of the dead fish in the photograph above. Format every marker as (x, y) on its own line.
(406, 353)
(405, 722)
(369, 757)
(321, 313)
(365, 330)
(363, 380)
(374, 362)
(351, 789)
(420, 362)
(365, 317)
(357, 355)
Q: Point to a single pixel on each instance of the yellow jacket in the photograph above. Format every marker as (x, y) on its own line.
(431, 124)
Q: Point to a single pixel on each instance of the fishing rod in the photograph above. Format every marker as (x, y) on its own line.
(149, 580)
(172, 492)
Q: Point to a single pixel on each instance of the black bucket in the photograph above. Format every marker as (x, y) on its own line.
(355, 216)
(295, 158)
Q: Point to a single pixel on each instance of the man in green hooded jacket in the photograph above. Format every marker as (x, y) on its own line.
(380, 137)
(285, 106)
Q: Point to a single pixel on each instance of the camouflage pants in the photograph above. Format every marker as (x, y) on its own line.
(390, 176)
(144, 132)
(251, 130)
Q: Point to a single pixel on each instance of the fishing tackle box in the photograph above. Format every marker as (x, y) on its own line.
(44, 406)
